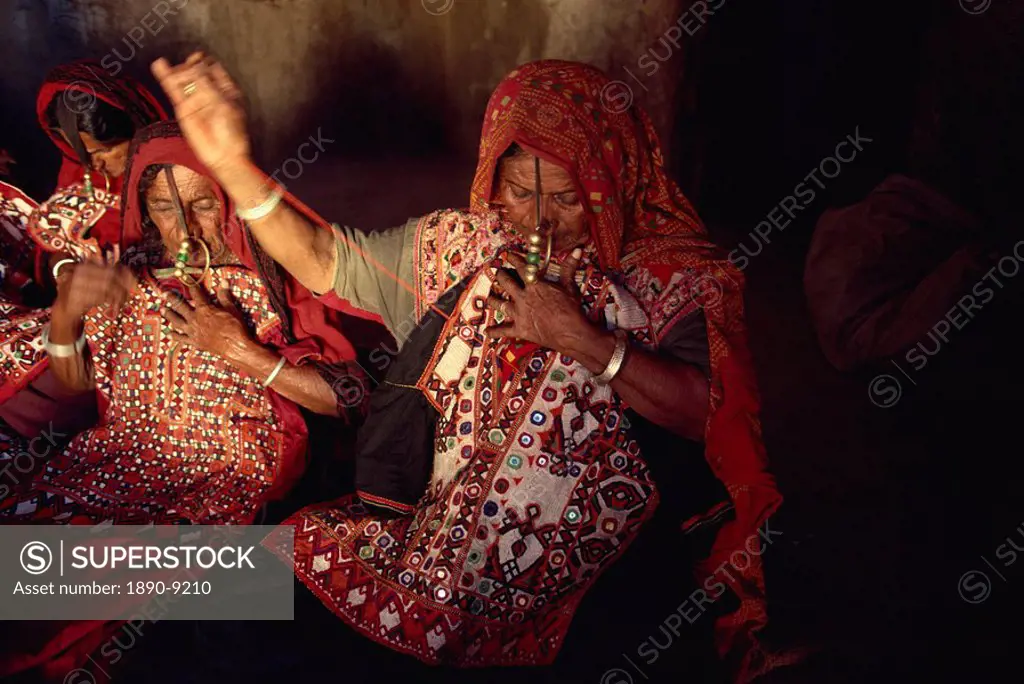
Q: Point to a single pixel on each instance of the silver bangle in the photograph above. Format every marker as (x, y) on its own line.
(62, 351)
(273, 373)
(264, 208)
(56, 266)
(618, 358)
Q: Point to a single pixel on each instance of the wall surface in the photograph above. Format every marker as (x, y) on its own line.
(382, 77)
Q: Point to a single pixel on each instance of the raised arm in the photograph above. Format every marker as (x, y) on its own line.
(370, 271)
(208, 106)
(81, 288)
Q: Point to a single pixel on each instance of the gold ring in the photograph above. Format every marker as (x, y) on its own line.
(190, 88)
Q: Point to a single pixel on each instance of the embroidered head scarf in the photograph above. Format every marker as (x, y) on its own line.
(75, 220)
(88, 80)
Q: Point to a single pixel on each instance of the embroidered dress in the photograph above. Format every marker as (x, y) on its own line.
(15, 245)
(535, 489)
(184, 435)
(61, 224)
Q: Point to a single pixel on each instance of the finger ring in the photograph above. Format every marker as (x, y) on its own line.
(190, 88)
(502, 312)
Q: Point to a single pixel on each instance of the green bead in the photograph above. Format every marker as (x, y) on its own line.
(533, 258)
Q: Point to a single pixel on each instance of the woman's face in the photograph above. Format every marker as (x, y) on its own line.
(108, 158)
(561, 202)
(202, 209)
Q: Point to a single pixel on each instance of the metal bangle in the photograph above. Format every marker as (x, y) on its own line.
(62, 351)
(268, 205)
(273, 373)
(617, 360)
(56, 266)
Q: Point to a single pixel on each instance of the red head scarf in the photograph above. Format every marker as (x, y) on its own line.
(91, 81)
(640, 220)
(316, 329)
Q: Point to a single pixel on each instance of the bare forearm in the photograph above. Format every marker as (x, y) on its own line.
(303, 249)
(301, 384)
(75, 372)
(666, 391)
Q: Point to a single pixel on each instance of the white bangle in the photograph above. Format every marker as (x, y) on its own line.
(618, 358)
(264, 208)
(56, 266)
(62, 351)
(273, 373)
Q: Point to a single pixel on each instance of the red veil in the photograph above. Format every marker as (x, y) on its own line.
(89, 81)
(640, 221)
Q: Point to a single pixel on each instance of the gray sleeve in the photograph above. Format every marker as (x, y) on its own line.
(374, 272)
(687, 340)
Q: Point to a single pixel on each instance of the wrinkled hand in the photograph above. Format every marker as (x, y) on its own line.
(209, 108)
(218, 328)
(543, 313)
(85, 286)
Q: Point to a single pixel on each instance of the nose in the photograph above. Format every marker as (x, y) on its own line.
(549, 216)
(195, 228)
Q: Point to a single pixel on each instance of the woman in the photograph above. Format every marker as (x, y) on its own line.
(536, 479)
(91, 118)
(200, 417)
(210, 433)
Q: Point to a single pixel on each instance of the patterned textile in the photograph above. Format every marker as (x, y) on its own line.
(183, 436)
(536, 488)
(21, 350)
(71, 220)
(537, 485)
(64, 223)
(15, 246)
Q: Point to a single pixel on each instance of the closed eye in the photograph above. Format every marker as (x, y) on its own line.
(568, 199)
(519, 193)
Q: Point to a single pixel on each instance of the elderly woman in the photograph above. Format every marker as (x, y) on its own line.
(539, 396)
(91, 118)
(200, 354)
